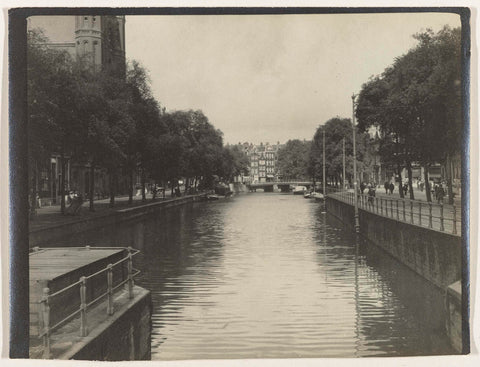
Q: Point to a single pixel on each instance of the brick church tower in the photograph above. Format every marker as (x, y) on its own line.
(100, 40)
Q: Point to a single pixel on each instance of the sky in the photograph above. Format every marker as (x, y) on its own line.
(269, 78)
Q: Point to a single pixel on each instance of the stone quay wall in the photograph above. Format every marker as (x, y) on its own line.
(42, 236)
(436, 256)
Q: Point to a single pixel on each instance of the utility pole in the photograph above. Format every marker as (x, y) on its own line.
(343, 161)
(357, 224)
(323, 176)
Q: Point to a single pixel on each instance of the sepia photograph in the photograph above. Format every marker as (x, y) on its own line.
(238, 183)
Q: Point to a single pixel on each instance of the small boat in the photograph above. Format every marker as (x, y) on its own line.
(299, 190)
(318, 196)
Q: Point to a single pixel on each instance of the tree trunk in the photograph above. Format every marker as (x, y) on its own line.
(33, 199)
(112, 187)
(449, 175)
(410, 184)
(144, 197)
(62, 185)
(92, 186)
(130, 188)
(400, 187)
(427, 184)
(187, 183)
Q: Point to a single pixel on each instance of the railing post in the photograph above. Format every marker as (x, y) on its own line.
(404, 216)
(398, 215)
(130, 273)
(411, 212)
(391, 208)
(376, 205)
(442, 228)
(381, 206)
(46, 323)
(419, 213)
(454, 230)
(109, 290)
(430, 224)
(83, 307)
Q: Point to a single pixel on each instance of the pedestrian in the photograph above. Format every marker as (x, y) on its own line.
(391, 187)
(362, 187)
(440, 194)
(371, 195)
(405, 189)
(386, 185)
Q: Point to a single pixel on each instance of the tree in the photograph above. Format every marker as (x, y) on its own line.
(293, 159)
(336, 129)
(416, 103)
(145, 112)
(234, 163)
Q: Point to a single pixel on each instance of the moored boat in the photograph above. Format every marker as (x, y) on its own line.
(299, 190)
(318, 196)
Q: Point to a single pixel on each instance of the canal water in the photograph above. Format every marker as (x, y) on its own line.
(268, 275)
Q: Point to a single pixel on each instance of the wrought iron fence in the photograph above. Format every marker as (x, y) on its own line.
(444, 218)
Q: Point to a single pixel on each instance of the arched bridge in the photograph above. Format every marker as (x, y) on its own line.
(284, 186)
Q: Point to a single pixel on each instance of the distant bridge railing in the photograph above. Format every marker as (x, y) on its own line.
(440, 217)
(84, 303)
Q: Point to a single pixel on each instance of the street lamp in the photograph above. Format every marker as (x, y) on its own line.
(357, 224)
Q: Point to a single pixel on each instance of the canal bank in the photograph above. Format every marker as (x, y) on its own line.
(47, 232)
(433, 254)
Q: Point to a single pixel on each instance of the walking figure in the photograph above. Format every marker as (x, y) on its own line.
(386, 187)
(371, 195)
(391, 187)
(440, 194)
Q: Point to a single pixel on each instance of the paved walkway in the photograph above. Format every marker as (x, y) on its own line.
(50, 215)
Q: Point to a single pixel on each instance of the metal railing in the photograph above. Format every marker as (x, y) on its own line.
(84, 304)
(440, 217)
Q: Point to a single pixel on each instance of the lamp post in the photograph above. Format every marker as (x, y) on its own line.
(323, 174)
(343, 165)
(357, 224)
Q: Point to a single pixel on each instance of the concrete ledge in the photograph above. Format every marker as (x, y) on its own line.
(123, 336)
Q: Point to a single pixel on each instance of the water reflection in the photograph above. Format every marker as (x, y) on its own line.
(274, 276)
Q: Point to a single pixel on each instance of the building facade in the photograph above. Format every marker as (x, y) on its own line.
(263, 161)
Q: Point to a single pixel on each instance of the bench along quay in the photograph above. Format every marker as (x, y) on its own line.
(256, 275)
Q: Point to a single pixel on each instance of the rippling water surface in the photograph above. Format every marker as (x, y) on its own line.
(272, 276)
